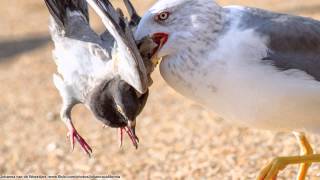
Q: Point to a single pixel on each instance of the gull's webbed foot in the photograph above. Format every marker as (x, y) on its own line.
(270, 171)
(305, 160)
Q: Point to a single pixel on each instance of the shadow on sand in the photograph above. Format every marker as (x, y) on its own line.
(13, 48)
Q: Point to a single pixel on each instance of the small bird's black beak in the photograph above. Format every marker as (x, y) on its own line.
(131, 131)
(132, 127)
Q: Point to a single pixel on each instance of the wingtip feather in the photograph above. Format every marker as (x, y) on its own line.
(58, 9)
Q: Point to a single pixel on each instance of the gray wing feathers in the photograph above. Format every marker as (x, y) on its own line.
(78, 53)
(129, 64)
(58, 9)
(70, 19)
(294, 42)
(134, 17)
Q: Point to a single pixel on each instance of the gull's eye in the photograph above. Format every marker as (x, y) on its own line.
(162, 16)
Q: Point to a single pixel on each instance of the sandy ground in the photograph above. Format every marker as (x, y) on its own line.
(179, 140)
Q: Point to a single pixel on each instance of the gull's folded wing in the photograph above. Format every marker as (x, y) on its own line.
(129, 64)
(293, 41)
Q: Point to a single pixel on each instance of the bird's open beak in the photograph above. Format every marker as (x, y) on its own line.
(160, 39)
(130, 129)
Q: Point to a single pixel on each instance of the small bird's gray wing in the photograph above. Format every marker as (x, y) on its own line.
(78, 53)
(133, 23)
(128, 62)
(293, 41)
(71, 20)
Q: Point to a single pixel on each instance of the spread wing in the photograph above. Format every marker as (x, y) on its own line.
(293, 41)
(80, 58)
(134, 17)
(129, 64)
(133, 23)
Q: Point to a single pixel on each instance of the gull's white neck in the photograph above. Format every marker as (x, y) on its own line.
(181, 69)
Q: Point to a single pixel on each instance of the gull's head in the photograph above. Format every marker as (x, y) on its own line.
(177, 24)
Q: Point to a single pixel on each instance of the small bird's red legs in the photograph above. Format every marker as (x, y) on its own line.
(73, 134)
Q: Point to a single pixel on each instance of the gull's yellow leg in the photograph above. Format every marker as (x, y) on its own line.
(281, 162)
(271, 171)
(305, 149)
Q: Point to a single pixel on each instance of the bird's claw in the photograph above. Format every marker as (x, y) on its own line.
(72, 135)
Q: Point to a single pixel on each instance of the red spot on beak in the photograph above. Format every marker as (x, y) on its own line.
(160, 39)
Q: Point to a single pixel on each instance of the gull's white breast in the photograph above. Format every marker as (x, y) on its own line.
(232, 81)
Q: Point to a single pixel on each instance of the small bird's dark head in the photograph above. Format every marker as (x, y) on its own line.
(116, 103)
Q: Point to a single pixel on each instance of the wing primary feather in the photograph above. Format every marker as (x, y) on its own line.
(130, 67)
(114, 16)
(134, 17)
(58, 9)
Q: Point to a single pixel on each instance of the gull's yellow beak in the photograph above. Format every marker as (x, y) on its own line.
(155, 60)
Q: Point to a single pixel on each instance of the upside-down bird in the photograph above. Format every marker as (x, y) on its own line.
(104, 72)
(251, 66)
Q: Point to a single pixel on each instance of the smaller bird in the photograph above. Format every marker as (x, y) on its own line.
(104, 72)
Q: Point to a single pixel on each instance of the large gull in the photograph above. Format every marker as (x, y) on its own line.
(104, 72)
(252, 67)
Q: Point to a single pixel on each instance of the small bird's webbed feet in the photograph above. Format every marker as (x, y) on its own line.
(72, 134)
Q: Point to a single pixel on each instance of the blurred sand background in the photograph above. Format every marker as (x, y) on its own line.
(179, 140)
